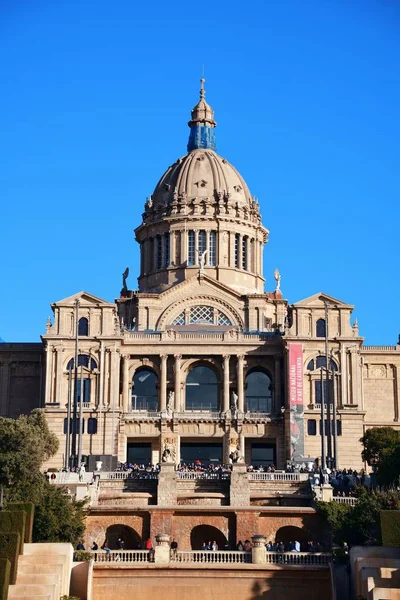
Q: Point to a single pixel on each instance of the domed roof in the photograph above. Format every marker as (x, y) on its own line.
(202, 173)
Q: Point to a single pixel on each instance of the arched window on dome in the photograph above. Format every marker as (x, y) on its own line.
(320, 328)
(145, 390)
(202, 243)
(83, 326)
(212, 255)
(159, 251)
(191, 248)
(237, 250)
(244, 253)
(258, 391)
(202, 389)
(166, 250)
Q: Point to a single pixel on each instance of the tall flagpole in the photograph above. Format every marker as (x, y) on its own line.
(82, 396)
(327, 394)
(68, 440)
(75, 410)
(323, 458)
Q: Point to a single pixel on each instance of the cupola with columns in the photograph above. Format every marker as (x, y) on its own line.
(201, 216)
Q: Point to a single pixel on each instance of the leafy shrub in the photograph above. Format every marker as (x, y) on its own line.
(5, 570)
(82, 556)
(390, 526)
(9, 548)
(14, 521)
(29, 509)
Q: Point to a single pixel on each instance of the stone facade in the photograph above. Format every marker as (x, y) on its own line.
(201, 303)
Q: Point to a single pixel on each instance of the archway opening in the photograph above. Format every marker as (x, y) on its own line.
(207, 533)
(145, 390)
(291, 533)
(129, 536)
(202, 389)
(258, 391)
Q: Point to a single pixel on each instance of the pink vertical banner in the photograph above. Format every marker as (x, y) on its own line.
(295, 388)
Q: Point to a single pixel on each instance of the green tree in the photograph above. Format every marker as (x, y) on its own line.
(382, 450)
(358, 525)
(25, 444)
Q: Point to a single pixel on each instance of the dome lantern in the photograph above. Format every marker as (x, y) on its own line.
(202, 124)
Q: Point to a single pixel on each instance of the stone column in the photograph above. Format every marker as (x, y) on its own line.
(162, 551)
(101, 374)
(166, 489)
(49, 355)
(239, 487)
(163, 382)
(258, 551)
(232, 249)
(126, 390)
(260, 257)
(58, 397)
(240, 382)
(172, 248)
(196, 247)
(239, 250)
(178, 358)
(397, 392)
(277, 386)
(226, 402)
(154, 266)
(355, 377)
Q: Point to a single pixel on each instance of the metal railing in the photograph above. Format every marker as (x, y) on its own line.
(255, 476)
(211, 556)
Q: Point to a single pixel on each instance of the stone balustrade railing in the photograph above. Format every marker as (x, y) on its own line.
(298, 558)
(234, 557)
(123, 556)
(257, 476)
(118, 475)
(349, 500)
(207, 557)
(172, 335)
(204, 475)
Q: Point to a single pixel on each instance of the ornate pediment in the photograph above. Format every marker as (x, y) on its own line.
(318, 301)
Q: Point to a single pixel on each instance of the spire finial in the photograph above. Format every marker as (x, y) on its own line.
(202, 123)
(202, 90)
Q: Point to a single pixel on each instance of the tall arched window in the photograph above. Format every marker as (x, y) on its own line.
(212, 255)
(202, 242)
(145, 390)
(202, 389)
(166, 250)
(191, 249)
(258, 391)
(320, 329)
(84, 360)
(83, 326)
(237, 250)
(244, 253)
(159, 251)
(86, 364)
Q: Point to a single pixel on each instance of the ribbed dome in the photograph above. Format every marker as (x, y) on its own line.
(202, 174)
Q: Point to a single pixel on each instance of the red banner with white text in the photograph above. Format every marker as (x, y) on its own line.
(295, 388)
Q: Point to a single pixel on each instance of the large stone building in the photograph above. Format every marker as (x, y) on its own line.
(200, 360)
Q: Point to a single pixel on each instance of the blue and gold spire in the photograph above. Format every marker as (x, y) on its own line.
(202, 124)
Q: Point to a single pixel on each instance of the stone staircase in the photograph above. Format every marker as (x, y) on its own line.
(44, 572)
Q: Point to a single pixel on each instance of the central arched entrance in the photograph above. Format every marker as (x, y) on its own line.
(202, 389)
(129, 536)
(207, 533)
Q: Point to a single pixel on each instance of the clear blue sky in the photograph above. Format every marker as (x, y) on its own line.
(94, 103)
